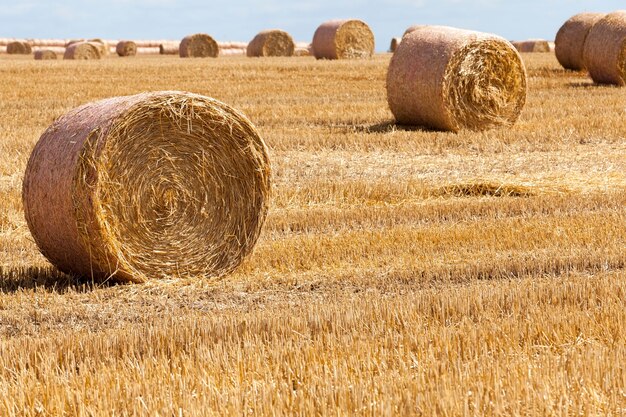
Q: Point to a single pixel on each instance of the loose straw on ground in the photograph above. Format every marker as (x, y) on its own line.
(82, 50)
(199, 45)
(343, 39)
(451, 79)
(273, 42)
(44, 54)
(126, 48)
(570, 39)
(155, 185)
(604, 53)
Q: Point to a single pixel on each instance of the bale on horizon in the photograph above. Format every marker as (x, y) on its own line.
(272, 42)
(394, 44)
(343, 39)
(44, 54)
(19, 48)
(168, 48)
(102, 45)
(126, 48)
(451, 79)
(570, 39)
(199, 45)
(532, 45)
(163, 184)
(604, 53)
(82, 50)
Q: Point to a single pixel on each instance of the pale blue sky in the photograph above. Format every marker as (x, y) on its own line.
(240, 20)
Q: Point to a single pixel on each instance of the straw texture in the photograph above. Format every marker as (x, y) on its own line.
(168, 48)
(570, 40)
(199, 45)
(82, 50)
(102, 46)
(412, 29)
(343, 39)
(532, 45)
(451, 79)
(604, 53)
(155, 185)
(273, 42)
(43, 54)
(126, 48)
(19, 48)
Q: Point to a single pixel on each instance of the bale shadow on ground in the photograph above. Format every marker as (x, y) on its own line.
(14, 279)
(383, 127)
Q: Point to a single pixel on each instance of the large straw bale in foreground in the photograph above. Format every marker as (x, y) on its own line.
(343, 39)
(273, 42)
(451, 79)
(19, 48)
(154, 185)
(570, 39)
(82, 50)
(126, 48)
(199, 45)
(604, 53)
(532, 45)
(412, 28)
(43, 54)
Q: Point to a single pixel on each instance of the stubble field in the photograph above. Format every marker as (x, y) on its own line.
(400, 271)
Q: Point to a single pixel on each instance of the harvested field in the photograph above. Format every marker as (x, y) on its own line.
(400, 271)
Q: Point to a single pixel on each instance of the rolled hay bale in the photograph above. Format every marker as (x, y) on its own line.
(45, 54)
(168, 49)
(273, 42)
(19, 48)
(570, 39)
(103, 46)
(199, 45)
(451, 79)
(532, 45)
(604, 53)
(394, 44)
(155, 185)
(126, 48)
(82, 50)
(412, 29)
(343, 39)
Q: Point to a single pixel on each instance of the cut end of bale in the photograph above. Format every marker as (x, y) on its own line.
(604, 53)
(82, 50)
(126, 48)
(452, 79)
(199, 45)
(157, 185)
(44, 54)
(570, 40)
(19, 48)
(272, 42)
(343, 39)
(394, 44)
(102, 46)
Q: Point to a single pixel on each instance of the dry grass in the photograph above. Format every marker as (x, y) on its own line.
(401, 271)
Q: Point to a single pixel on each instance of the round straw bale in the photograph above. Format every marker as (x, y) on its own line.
(394, 44)
(19, 48)
(126, 48)
(168, 49)
(604, 53)
(273, 42)
(82, 50)
(570, 39)
(451, 79)
(343, 39)
(532, 45)
(412, 29)
(45, 54)
(103, 46)
(155, 185)
(199, 45)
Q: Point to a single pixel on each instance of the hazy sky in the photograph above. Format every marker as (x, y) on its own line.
(240, 20)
